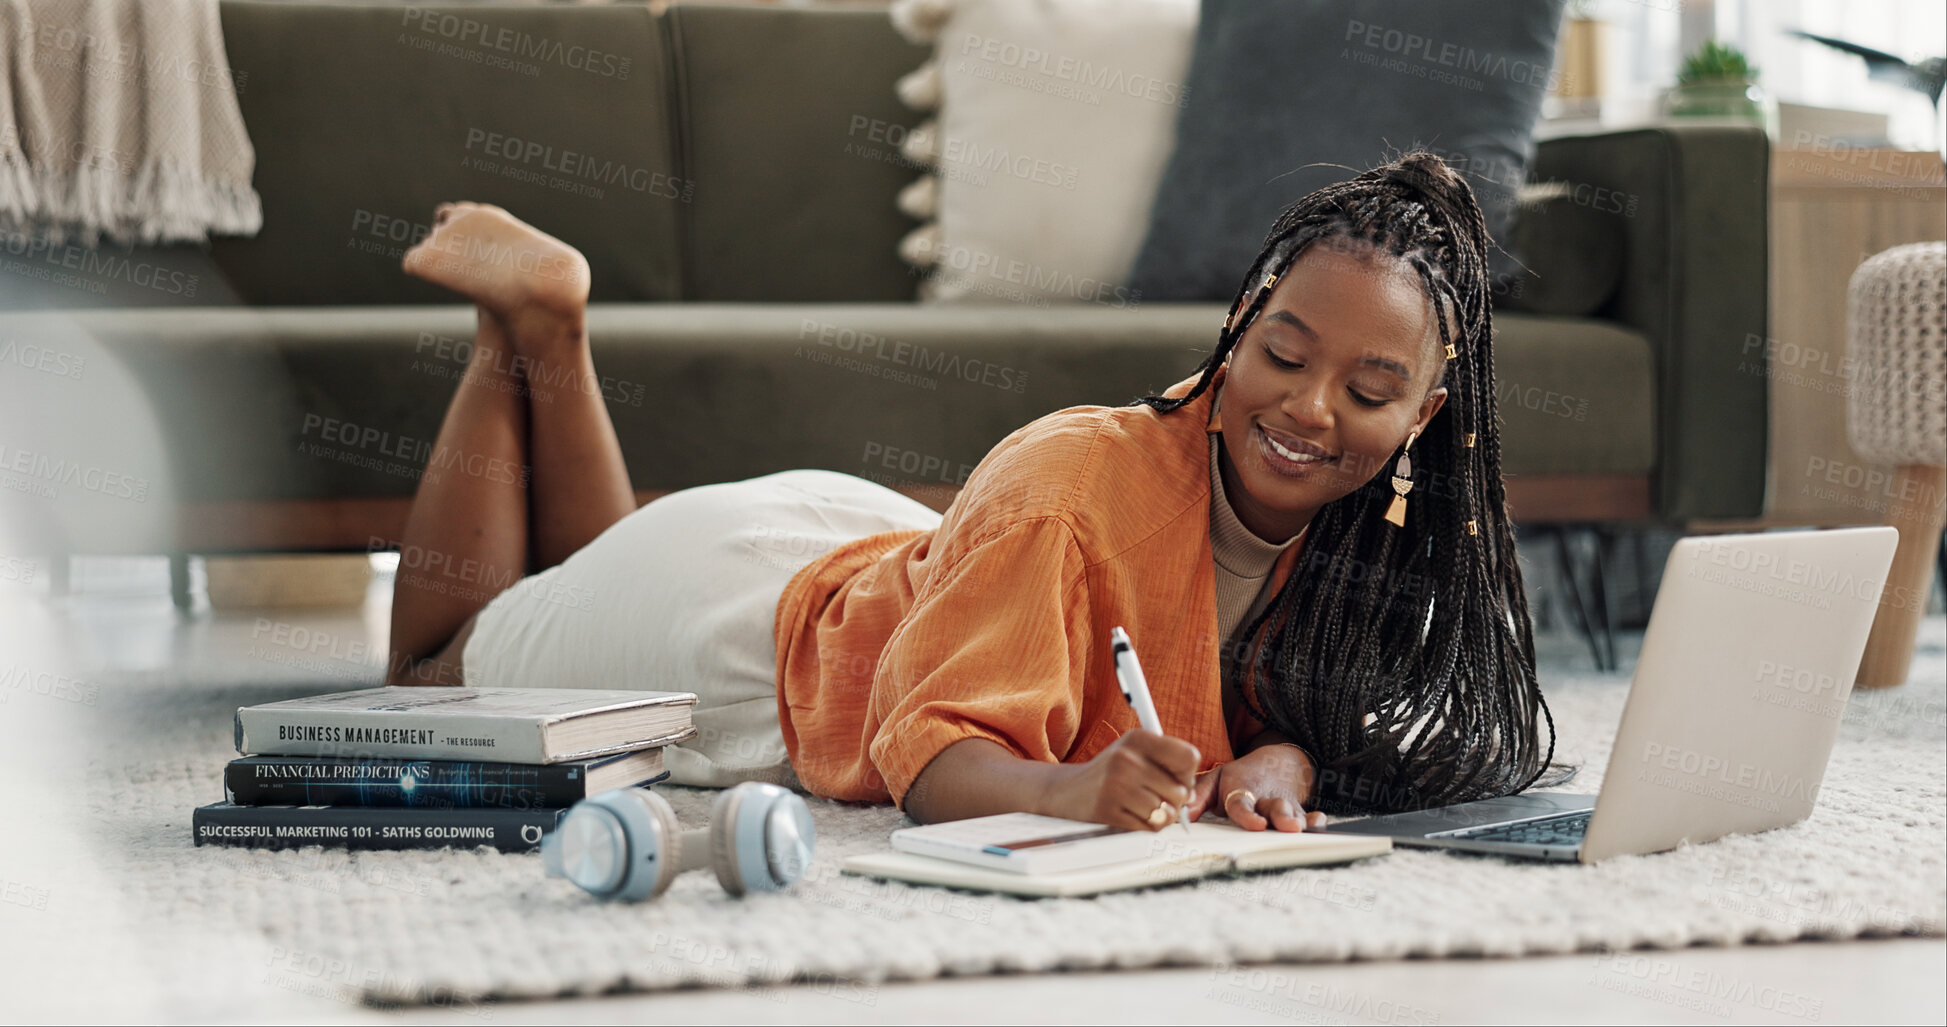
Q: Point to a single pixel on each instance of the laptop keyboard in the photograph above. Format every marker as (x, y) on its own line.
(1567, 829)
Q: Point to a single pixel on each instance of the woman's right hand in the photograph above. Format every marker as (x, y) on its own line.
(1125, 783)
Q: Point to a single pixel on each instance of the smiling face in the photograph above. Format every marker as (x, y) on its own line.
(1336, 369)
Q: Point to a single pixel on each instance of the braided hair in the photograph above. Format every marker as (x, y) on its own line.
(1402, 659)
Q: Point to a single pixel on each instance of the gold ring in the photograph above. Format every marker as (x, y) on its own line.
(1235, 792)
(1160, 815)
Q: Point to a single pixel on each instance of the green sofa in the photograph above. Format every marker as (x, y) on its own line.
(715, 164)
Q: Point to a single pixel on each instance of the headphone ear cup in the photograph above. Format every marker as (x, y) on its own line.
(631, 830)
(669, 861)
(723, 839)
(761, 838)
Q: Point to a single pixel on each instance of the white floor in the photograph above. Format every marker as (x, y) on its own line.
(119, 620)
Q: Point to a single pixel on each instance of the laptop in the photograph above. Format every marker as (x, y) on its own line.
(1746, 666)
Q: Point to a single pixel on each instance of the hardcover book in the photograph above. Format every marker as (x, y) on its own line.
(435, 784)
(487, 725)
(353, 827)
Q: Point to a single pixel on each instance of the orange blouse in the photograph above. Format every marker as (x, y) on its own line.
(996, 624)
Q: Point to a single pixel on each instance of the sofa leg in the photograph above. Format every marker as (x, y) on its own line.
(1606, 541)
(1591, 606)
(179, 582)
(1940, 557)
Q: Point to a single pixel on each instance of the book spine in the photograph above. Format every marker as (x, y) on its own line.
(340, 827)
(419, 784)
(377, 734)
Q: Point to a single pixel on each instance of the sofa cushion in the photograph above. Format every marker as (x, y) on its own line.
(1568, 238)
(318, 403)
(1287, 96)
(1055, 121)
(365, 117)
(786, 116)
(1576, 396)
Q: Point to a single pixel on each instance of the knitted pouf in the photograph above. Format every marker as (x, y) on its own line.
(1896, 327)
(1896, 413)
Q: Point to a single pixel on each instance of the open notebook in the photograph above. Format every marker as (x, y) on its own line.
(1206, 848)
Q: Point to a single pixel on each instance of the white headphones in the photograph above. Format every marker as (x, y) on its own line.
(625, 844)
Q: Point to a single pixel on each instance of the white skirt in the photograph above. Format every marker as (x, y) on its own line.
(682, 595)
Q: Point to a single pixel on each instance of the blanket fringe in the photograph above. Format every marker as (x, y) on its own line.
(162, 202)
(19, 198)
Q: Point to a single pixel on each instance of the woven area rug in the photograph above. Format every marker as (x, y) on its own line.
(457, 927)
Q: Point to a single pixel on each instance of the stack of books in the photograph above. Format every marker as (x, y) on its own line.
(425, 768)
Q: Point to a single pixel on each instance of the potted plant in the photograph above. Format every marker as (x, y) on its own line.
(1718, 82)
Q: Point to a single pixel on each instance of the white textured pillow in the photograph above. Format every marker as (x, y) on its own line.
(1055, 119)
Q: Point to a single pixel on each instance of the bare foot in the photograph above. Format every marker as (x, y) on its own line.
(535, 284)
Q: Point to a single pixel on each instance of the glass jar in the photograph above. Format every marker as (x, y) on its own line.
(1733, 100)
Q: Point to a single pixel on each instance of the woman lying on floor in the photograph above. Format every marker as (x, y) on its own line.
(847, 640)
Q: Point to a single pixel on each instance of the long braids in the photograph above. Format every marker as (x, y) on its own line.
(1402, 659)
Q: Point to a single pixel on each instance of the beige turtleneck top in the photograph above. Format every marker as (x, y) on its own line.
(1244, 563)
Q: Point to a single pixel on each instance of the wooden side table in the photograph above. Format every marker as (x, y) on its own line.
(1832, 208)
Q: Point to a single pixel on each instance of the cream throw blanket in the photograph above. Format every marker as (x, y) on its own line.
(119, 118)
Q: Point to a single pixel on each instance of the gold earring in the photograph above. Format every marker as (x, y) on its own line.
(1402, 484)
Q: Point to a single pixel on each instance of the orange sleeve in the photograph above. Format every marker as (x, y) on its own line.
(994, 647)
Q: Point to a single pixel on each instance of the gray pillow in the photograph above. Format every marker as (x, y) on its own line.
(1279, 84)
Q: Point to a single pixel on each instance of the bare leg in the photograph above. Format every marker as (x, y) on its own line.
(527, 468)
(580, 485)
(466, 534)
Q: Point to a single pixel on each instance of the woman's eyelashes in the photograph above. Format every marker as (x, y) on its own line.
(1293, 365)
(1289, 365)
